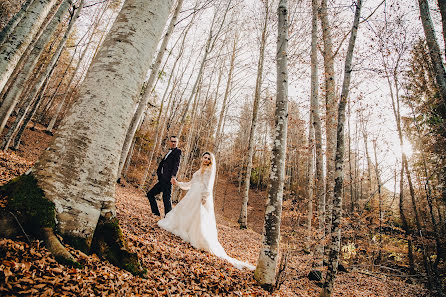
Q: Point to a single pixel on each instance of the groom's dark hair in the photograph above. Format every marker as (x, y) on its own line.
(173, 136)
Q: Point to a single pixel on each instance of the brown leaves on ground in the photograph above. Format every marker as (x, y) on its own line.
(174, 267)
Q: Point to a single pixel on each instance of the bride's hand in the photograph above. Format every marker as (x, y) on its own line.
(173, 181)
(204, 199)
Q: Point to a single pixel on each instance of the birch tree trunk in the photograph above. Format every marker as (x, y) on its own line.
(335, 246)
(243, 219)
(148, 90)
(48, 70)
(22, 35)
(442, 7)
(36, 92)
(310, 189)
(98, 19)
(330, 118)
(316, 122)
(9, 28)
(265, 272)
(350, 169)
(79, 170)
(434, 49)
(13, 95)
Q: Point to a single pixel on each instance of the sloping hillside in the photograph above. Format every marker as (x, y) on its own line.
(174, 267)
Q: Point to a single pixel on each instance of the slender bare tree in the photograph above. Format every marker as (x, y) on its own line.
(335, 245)
(330, 107)
(265, 272)
(255, 110)
(316, 122)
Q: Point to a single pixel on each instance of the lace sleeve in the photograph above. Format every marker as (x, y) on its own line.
(206, 181)
(184, 185)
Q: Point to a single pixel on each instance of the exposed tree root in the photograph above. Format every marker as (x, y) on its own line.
(56, 248)
(108, 242)
(35, 214)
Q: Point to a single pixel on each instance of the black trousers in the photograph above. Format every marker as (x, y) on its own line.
(166, 189)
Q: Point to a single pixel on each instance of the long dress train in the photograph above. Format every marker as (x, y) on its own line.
(195, 222)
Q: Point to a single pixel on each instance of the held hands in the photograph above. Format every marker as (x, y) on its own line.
(173, 180)
(204, 197)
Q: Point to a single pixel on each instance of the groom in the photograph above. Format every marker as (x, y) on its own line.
(167, 171)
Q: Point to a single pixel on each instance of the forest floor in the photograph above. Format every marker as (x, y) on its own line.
(174, 267)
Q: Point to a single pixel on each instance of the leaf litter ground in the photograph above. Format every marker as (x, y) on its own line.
(174, 267)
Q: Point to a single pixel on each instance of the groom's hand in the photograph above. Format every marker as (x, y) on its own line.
(173, 180)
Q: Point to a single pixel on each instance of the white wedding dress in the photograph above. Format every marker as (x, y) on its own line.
(195, 222)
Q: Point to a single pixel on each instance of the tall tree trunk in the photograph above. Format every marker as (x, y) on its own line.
(243, 218)
(350, 171)
(148, 89)
(335, 246)
(265, 272)
(442, 6)
(36, 92)
(195, 86)
(310, 179)
(48, 70)
(330, 106)
(219, 129)
(18, 40)
(316, 122)
(78, 171)
(434, 49)
(432, 279)
(9, 28)
(13, 94)
(97, 22)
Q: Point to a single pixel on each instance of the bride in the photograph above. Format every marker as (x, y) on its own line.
(193, 218)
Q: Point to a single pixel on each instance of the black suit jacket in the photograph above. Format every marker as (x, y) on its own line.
(168, 167)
